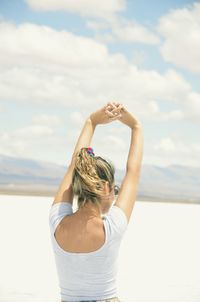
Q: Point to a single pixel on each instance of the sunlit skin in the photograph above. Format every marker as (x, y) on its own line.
(84, 230)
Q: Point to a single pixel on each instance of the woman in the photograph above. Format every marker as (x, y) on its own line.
(86, 243)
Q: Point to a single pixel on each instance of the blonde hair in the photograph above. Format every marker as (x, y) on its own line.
(89, 176)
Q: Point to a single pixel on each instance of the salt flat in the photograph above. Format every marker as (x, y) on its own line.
(159, 256)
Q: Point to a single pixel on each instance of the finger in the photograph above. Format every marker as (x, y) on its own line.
(118, 104)
(119, 110)
(115, 117)
(108, 104)
(116, 110)
(111, 115)
(113, 104)
(110, 107)
(107, 108)
(120, 107)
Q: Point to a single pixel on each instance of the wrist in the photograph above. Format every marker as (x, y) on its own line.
(137, 125)
(92, 121)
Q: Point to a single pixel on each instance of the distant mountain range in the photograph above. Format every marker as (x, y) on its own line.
(175, 183)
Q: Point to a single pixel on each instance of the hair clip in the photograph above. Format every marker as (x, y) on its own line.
(90, 151)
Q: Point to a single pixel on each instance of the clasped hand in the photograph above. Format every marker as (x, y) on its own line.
(111, 112)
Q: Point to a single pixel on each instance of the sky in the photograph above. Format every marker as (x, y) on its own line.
(61, 60)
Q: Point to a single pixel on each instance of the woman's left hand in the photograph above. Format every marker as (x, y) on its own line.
(106, 115)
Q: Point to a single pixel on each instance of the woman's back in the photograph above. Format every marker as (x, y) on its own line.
(86, 275)
(78, 234)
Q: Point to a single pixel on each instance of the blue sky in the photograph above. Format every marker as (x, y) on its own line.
(62, 60)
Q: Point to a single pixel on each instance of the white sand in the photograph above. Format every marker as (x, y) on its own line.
(159, 256)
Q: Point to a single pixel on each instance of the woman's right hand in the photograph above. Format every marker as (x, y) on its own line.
(125, 116)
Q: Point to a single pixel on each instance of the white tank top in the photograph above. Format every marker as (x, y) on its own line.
(92, 275)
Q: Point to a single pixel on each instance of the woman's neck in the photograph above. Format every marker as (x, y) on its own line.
(90, 209)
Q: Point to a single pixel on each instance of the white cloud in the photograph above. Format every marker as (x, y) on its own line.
(153, 107)
(22, 141)
(174, 115)
(106, 11)
(10, 145)
(181, 31)
(173, 150)
(97, 24)
(83, 7)
(36, 46)
(192, 106)
(33, 132)
(116, 141)
(56, 66)
(46, 119)
(173, 145)
(31, 141)
(129, 31)
(122, 30)
(166, 145)
(2, 108)
(138, 57)
(152, 112)
(76, 118)
(42, 65)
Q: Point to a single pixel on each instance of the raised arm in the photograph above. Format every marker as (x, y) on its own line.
(65, 192)
(128, 190)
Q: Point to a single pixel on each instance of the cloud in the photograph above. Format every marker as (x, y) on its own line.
(42, 64)
(116, 141)
(36, 45)
(32, 141)
(192, 106)
(106, 16)
(76, 118)
(9, 145)
(45, 66)
(165, 145)
(33, 131)
(173, 150)
(22, 141)
(181, 32)
(46, 119)
(122, 30)
(152, 112)
(83, 7)
(2, 108)
(173, 145)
